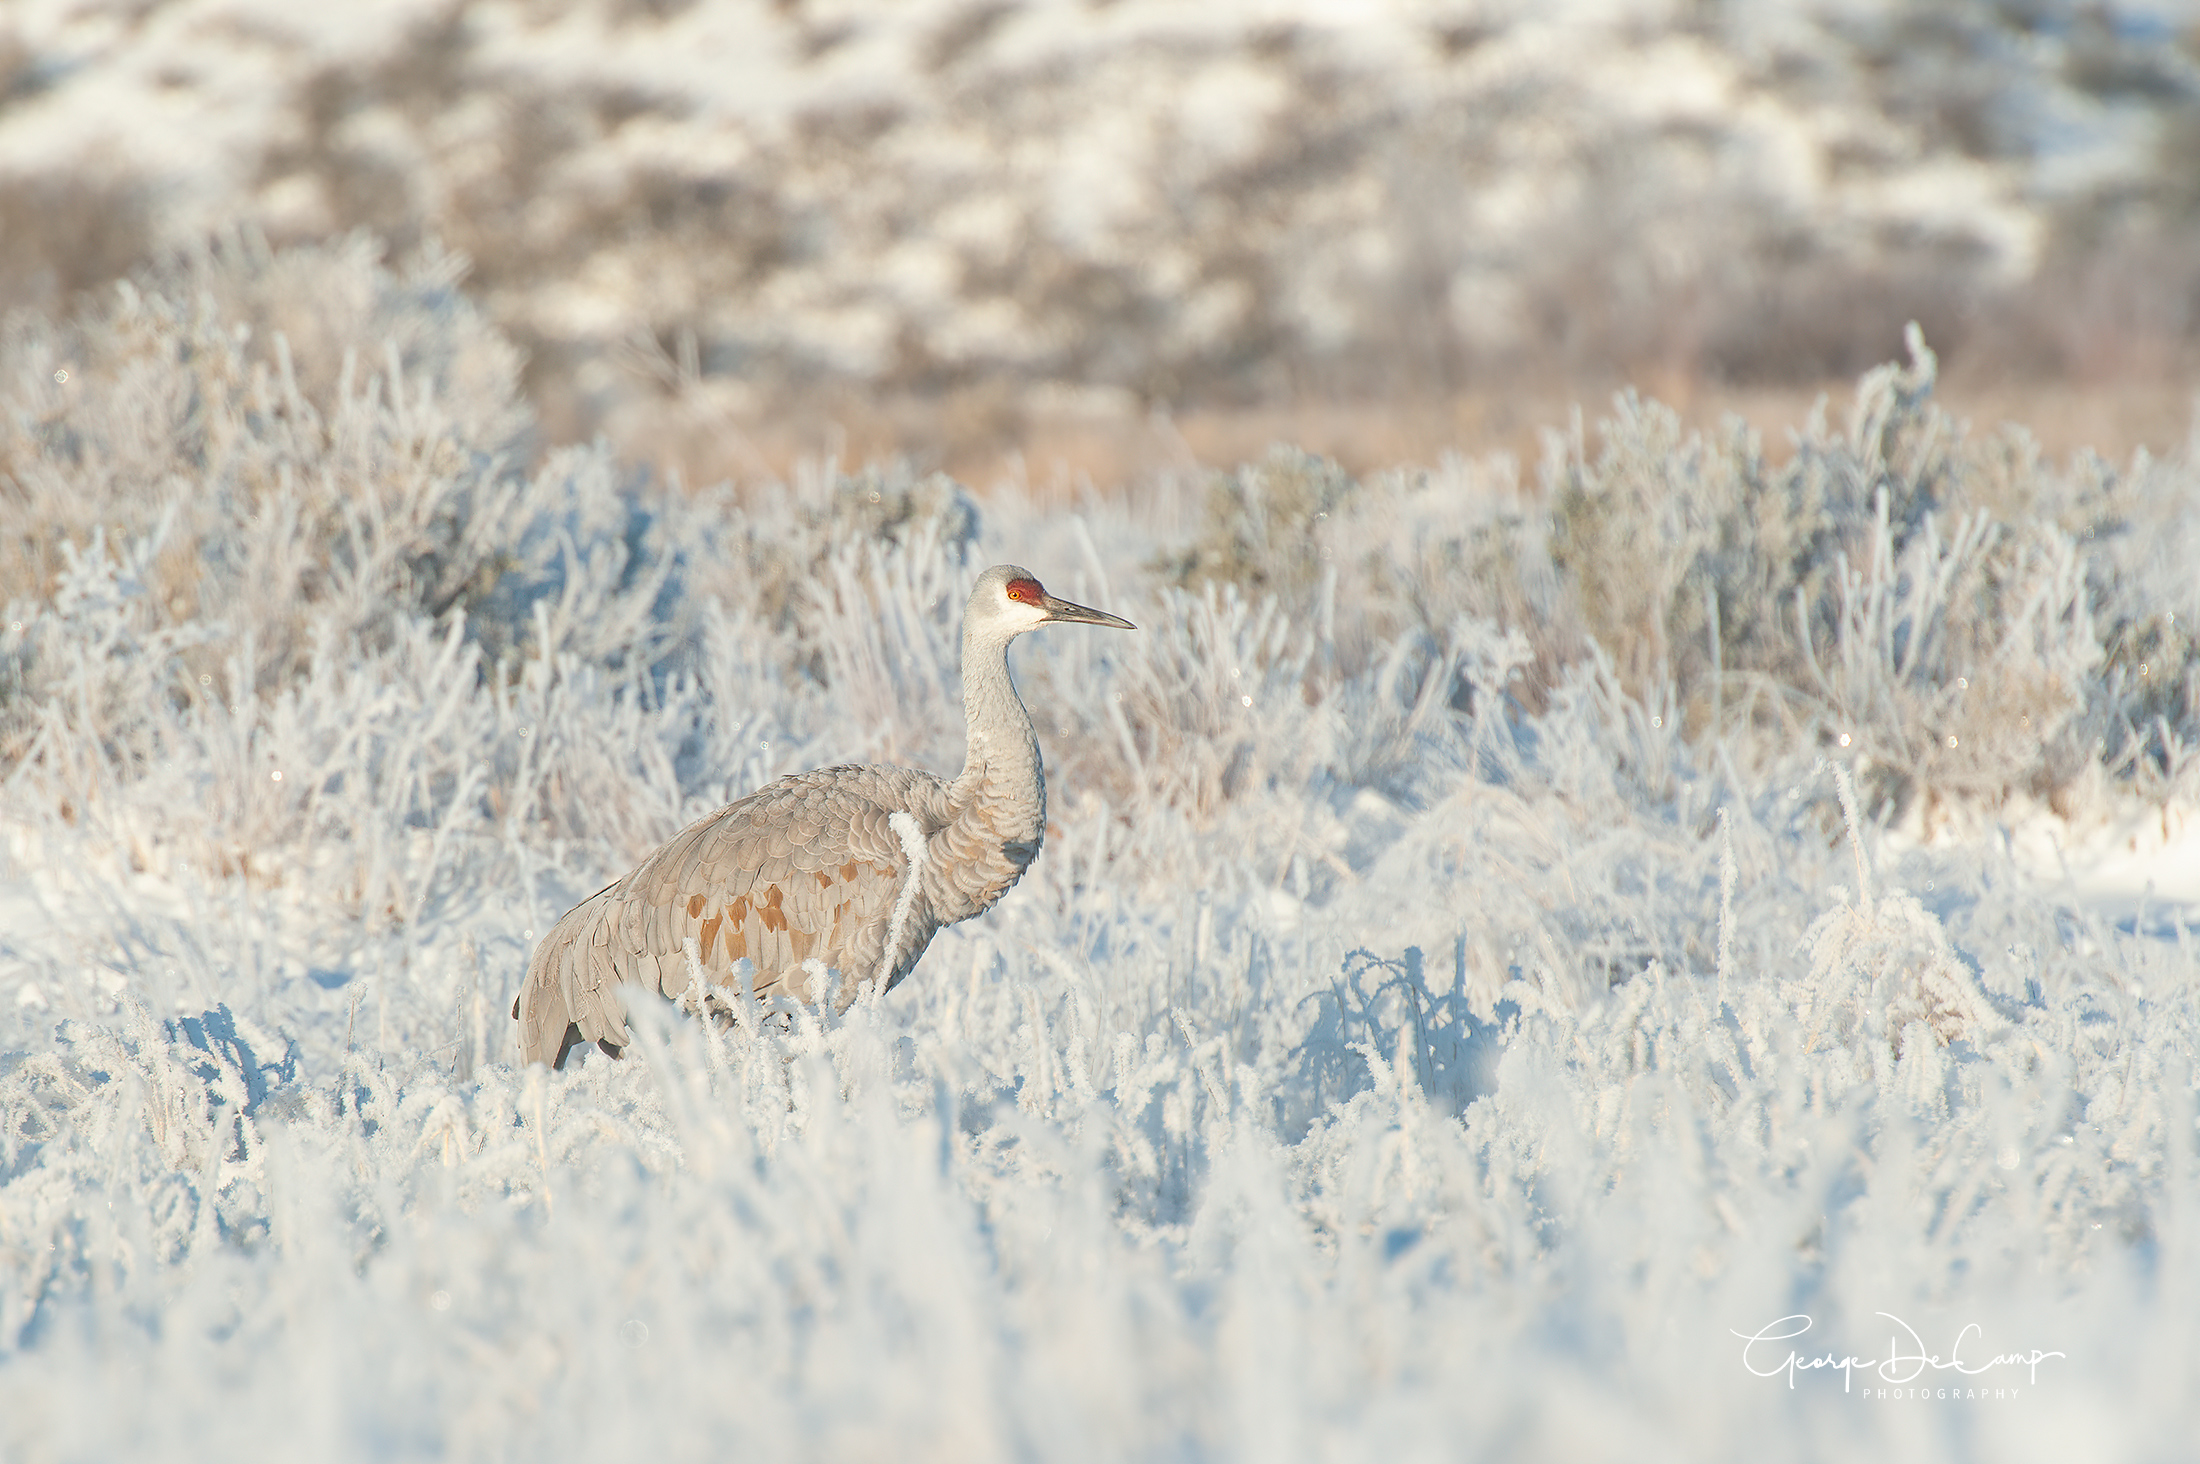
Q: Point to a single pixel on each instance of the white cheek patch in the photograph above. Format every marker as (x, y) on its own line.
(913, 847)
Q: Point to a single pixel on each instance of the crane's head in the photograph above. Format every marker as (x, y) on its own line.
(1008, 600)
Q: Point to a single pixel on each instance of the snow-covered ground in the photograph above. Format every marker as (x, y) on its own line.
(1426, 1034)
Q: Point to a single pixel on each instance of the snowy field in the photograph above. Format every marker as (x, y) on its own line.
(1498, 947)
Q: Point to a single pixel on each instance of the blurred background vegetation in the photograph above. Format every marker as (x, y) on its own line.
(1079, 242)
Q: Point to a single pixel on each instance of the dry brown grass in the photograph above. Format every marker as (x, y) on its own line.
(1056, 448)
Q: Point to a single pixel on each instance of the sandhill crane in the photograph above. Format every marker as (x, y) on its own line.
(845, 868)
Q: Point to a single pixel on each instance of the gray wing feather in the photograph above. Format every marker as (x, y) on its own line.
(807, 868)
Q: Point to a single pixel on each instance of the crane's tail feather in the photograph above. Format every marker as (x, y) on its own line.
(546, 1029)
(571, 996)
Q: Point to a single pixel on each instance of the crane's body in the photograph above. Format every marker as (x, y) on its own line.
(848, 869)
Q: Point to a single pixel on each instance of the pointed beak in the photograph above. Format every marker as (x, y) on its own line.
(1063, 610)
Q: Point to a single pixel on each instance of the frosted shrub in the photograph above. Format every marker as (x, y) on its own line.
(293, 610)
(1964, 620)
(336, 438)
(1269, 526)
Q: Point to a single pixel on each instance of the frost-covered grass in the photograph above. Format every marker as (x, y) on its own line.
(1438, 1023)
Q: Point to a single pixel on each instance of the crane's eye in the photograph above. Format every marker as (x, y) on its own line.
(1025, 591)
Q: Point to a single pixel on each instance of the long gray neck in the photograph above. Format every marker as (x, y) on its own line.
(1002, 764)
(999, 803)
